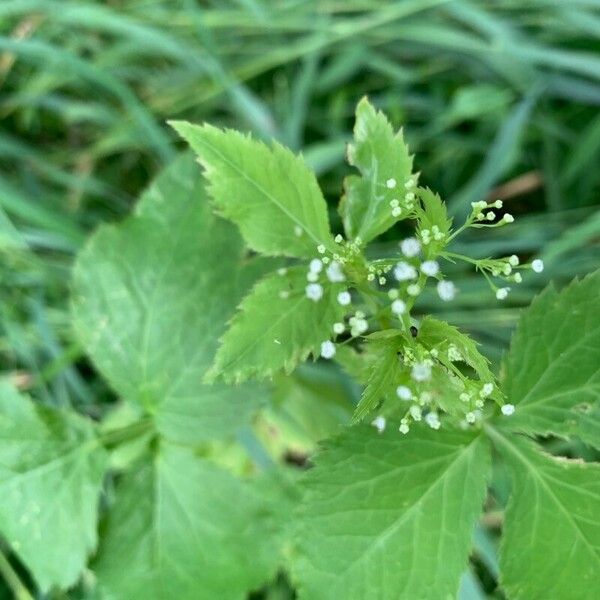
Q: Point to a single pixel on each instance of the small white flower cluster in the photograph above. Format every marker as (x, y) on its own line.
(427, 235)
(407, 204)
(358, 324)
(478, 215)
(329, 268)
(506, 268)
(407, 271)
(415, 410)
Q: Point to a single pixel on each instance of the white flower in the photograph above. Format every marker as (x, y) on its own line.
(470, 417)
(421, 372)
(513, 260)
(328, 349)
(314, 291)
(410, 246)
(338, 239)
(502, 293)
(413, 289)
(537, 265)
(490, 216)
(409, 183)
(403, 392)
(508, 409)
(453, 353)
(310, 276)
(507, 269)
(358, 326)
(339, 328)
(508, 218)
(430, 268)
(517, 278)
(321, 249)
(398, 307)
(315, 266)
(433, 420)
(344, 298)
(394, 203)
(486, 390)
(410, 196)
(479, 205)
(379, 424)
(382, 281)
(404, 428)
(390, 183)
(465, 397)
(446, 290)
(404, 272)
(335, 273)
(396, 211)
(498, 204)
(415, 412)
(393, 294)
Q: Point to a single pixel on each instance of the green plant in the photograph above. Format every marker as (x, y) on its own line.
(196, 506)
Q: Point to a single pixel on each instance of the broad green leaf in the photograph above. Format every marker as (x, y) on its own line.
(268, 192)
(277, 327)
(380, 155)
(151, 297)
(309, 405)
(388, 516)
(439, 334)
(182, 527)
(554, 506)
(553, 367)
(51, 472)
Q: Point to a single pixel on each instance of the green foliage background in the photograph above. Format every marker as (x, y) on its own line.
(497, 99)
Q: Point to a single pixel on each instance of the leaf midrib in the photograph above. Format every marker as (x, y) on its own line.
(262, 190)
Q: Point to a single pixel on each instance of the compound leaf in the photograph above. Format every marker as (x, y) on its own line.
(268, 192)
(386, 516)
(51, 472)
(381, 156)
(152, 296)
(554, 506)
(553, 367)
(276, 327)
(185, 528)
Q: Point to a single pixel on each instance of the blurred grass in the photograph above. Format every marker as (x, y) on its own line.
(497, 100)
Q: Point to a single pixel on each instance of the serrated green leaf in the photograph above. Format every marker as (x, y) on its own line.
(433, 217)
(387, 516)
(51, 472)
(271, 332)
(151, 297)
(554, 505)
(553, 367)
(379, 154)
(183, 528)
(439, 334)
(383, 377)
(268, 192)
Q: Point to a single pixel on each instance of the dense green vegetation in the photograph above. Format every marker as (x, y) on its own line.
(498, 100)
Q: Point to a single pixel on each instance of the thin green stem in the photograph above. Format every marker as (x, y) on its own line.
(125, 434)
(13, 580)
